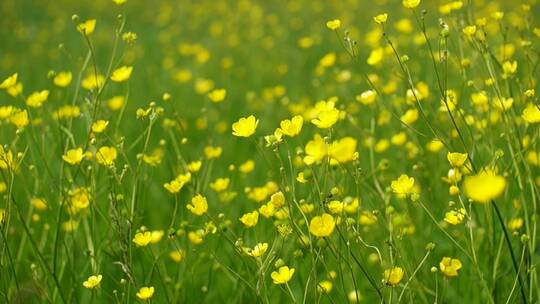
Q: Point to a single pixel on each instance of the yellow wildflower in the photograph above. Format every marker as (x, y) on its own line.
(106, 155)
(393, 276)
(449, 267)
(283, 275)
(245, 126)
(73, 156)
(484, 186)
(121, 74)
(198, 206)
(92, 281)
(322, 226)
(145, 293)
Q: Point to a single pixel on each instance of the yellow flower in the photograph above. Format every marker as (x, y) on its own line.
(116, 103)
(531, 114)
(326, 118)
(212, 152)
(79, 198)
(381, 18)
(220, 184)
(456, 159)
(291, 127)
(19, 118)
(99, 126)
(177, 255)
(403, 186)
(367, 97)
(283, 275)
(142, 239)
(258, 250)
(316, 150)
(121, 74)
(36, 99)
(145, 293)
(9, 82)
(92, 281)
(6, 159)
(393, 276)
(247, 166)
(449, 267)
(194, 166)
(177, 183)
(92, 81)
(333, 24)
(62, 79)
(120, 2)
(411, 3)
(250, 219)
(469, 30)
(509, 68)
(245, 126)
(455, 217)
(39, 203)
(217, 95)
(106, 155)
(87, 27)
(323, 225)
(325, 286)
(73, 156)
(343, 150)
(199, 205)
(484, 186)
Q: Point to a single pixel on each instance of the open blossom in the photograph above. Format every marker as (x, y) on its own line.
(323, 225)
(199, 205)
(245, 126)
(283, 275)
(393, 276)
(92, 281)
(484, 186)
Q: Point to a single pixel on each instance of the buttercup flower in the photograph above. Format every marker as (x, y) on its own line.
(283, 275)
(245, 127)
(92, 281)
(323, 225)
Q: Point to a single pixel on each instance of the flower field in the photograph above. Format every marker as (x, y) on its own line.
(249, 151)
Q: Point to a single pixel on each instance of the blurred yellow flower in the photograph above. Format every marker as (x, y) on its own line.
(87, 27)
(381, 18)
(36, 99)
(92, 281)
(142, 239)
(403, 186)
(217, 95)
(198, 206)
(73, 156)
(291, 127)
(9, 81)
(99, 126)
(449, 267)
(250, 219)
(455, 217)
(326, 118)
(106, 155)
(333, 24)
(258, 250)
(62, 79)
(177, 183)
(531, 114)
(410, 3)
(121, 74)
(484, 186)
(393, 276)
(456, 159)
